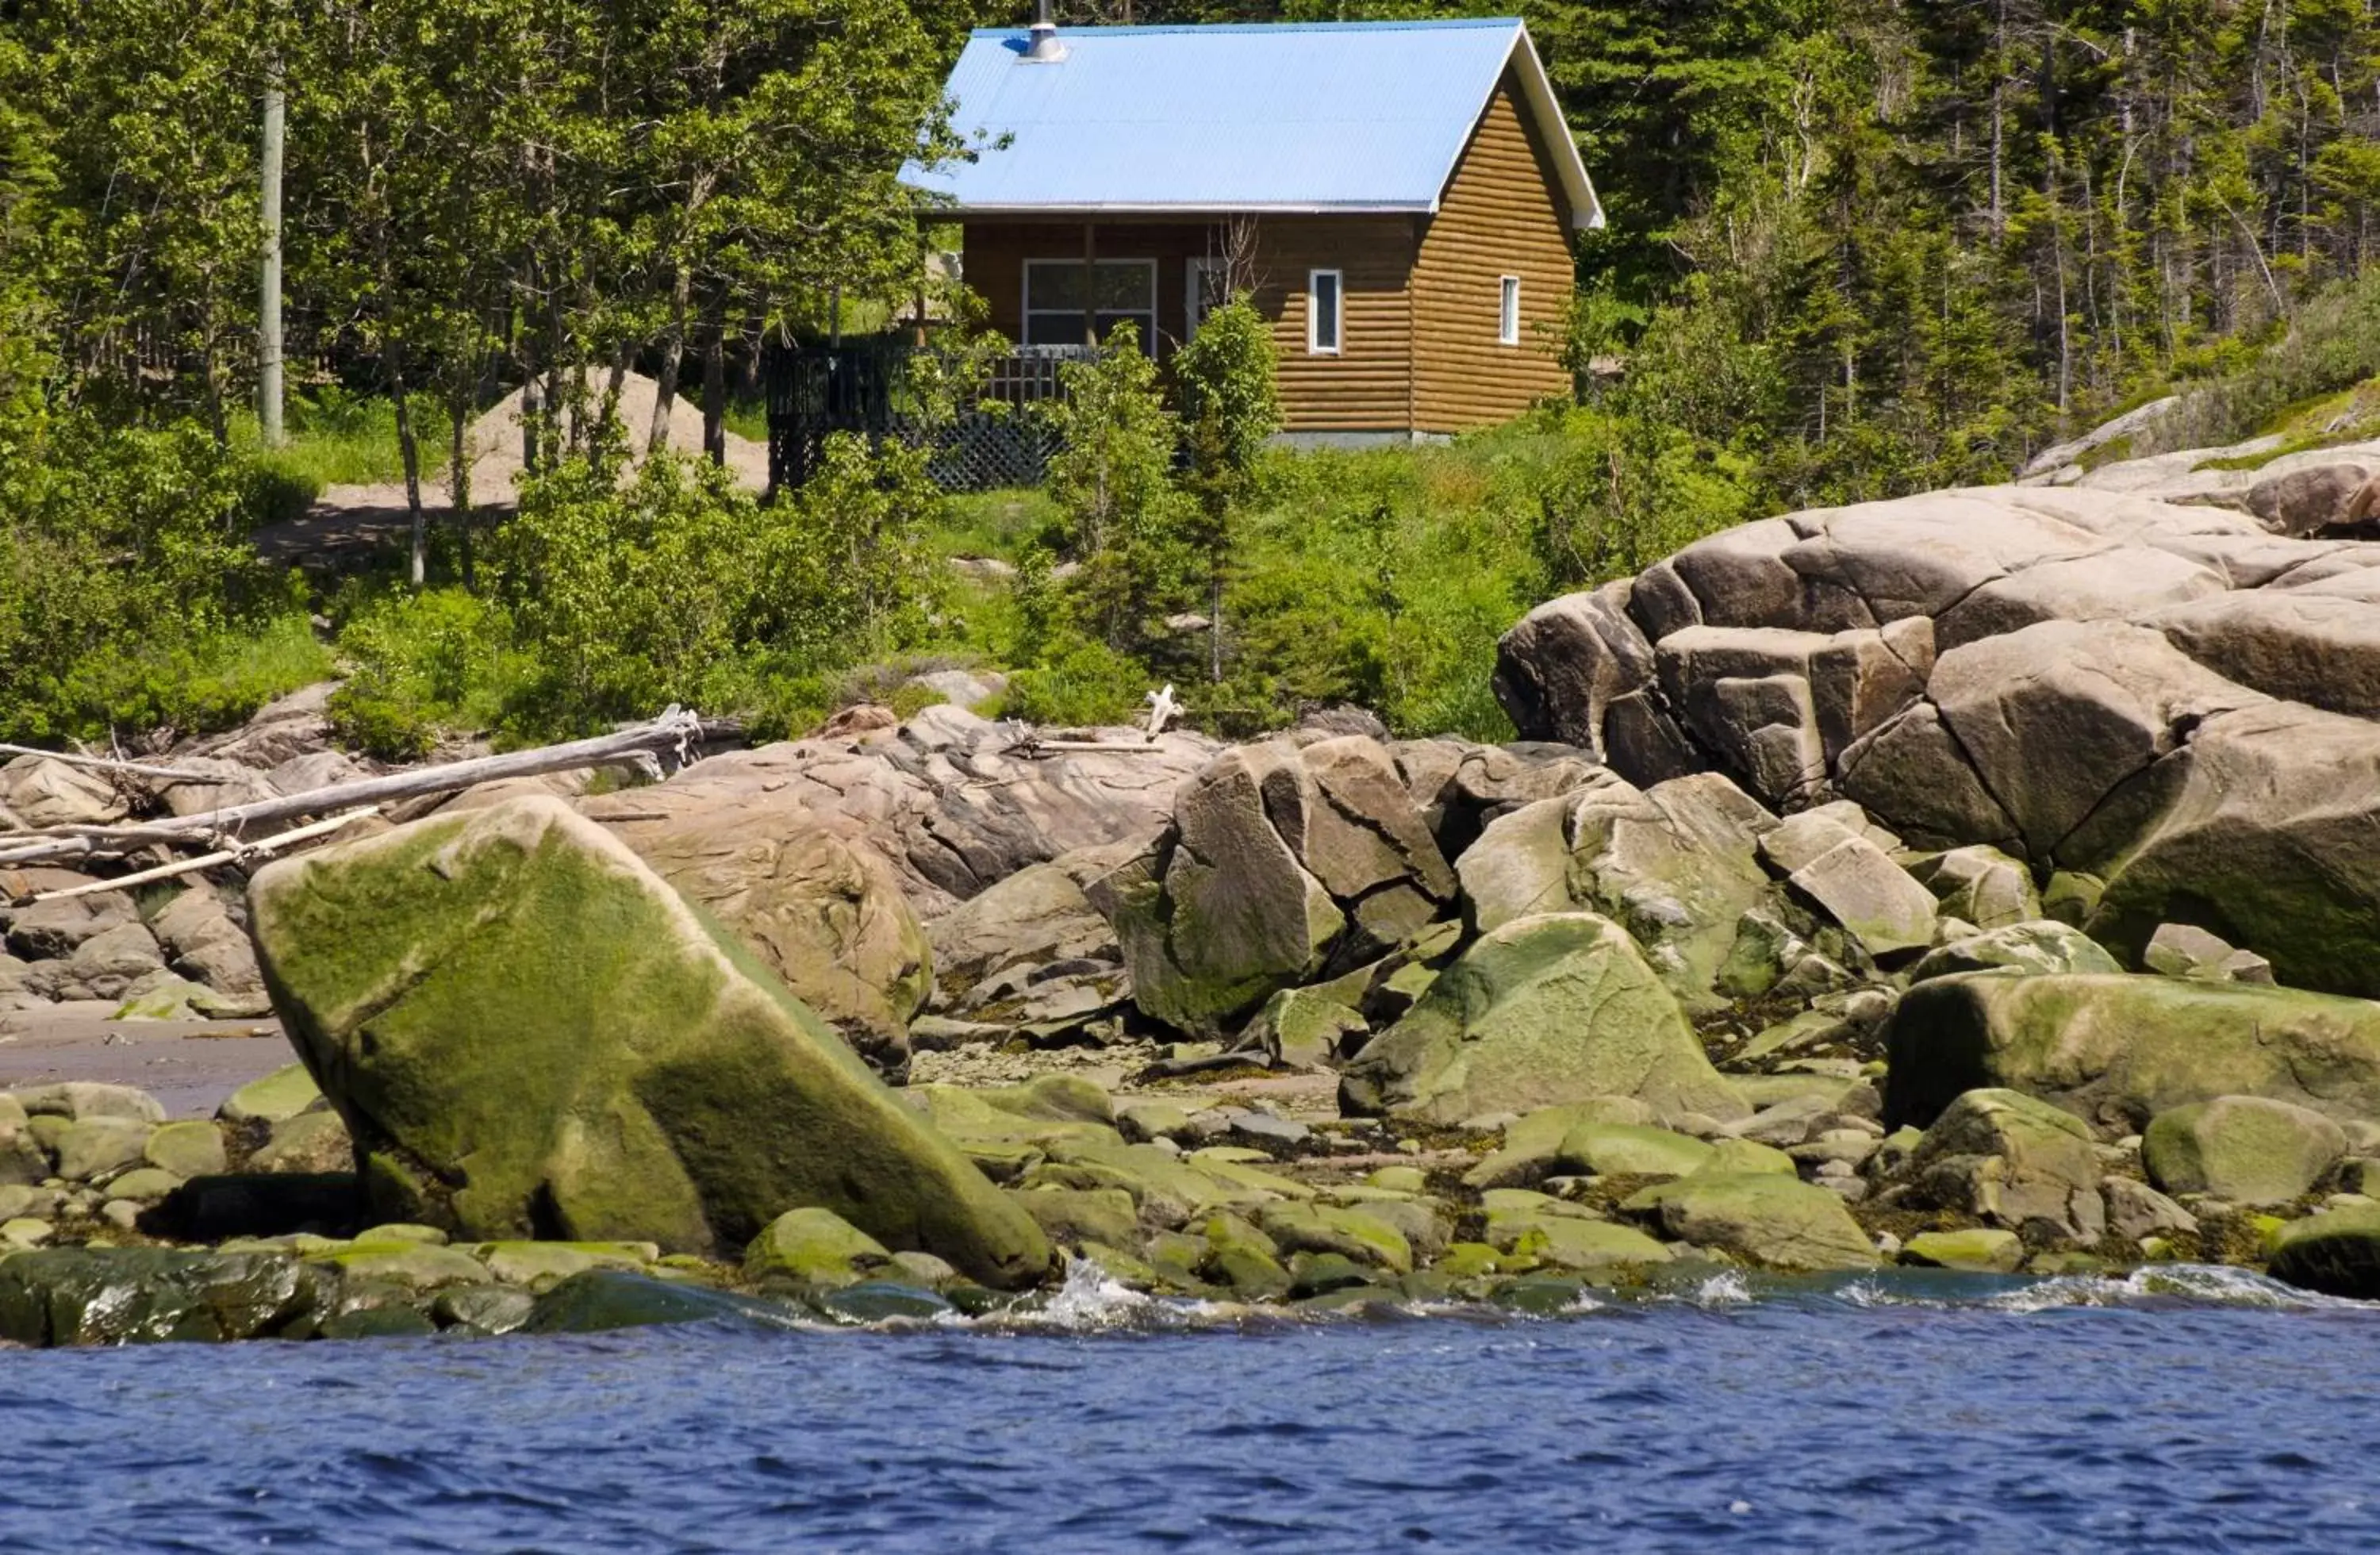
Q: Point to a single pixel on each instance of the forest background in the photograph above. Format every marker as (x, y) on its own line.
(1856, 250)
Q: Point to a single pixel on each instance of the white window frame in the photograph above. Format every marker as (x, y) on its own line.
(1508, 311)
(1025, 311)
(1194, 270)
(1313, 347)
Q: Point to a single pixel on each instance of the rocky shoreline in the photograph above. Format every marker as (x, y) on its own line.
(1983, 882)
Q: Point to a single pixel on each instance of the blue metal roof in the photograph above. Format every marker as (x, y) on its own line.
(1324, 116)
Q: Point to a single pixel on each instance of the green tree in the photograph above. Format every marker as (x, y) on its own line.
(1226, 377)
(1112, 481)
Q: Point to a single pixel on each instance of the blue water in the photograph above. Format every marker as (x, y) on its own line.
(2208, 1411)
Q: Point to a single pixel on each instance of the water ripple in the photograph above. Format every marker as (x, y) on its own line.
(2205, 1409)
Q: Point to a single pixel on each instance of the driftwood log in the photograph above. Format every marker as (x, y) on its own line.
(674, 730)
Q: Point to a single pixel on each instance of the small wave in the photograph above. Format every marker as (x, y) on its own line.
(1090, 1300)
(2196, 1284)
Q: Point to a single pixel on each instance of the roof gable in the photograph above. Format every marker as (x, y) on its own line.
(1325, 117)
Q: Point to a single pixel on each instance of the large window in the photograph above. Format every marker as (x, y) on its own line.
(1122, 291)
(1508, 311)
(1324, 308)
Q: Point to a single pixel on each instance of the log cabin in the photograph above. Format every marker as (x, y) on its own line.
(1398, 199)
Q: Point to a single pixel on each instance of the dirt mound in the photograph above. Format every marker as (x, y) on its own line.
(494, 445)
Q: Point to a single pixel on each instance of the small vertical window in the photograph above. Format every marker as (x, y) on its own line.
(1508, 311)
(1322, 312)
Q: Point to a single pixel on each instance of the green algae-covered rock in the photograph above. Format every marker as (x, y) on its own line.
(814, 1248)
(2121, 1048)
(532, 1034)
(92, 1147)
(1243, 1257)
(276, 1098)
(1622, 1151)
(194, 1148)
(489, 1309)
(1319, 1228)
(1538, 1012)
(1569, 1241)
(392, 1321)
(1981, 885)
(1983, 1250)
(143, 1184)
(2336, 1252)
(1070, 1217)
(1304, 1028)
(309, 1144)
(1748, 1155)
(828, 918)
(1677, 864)
(1533, 1141)
(2014, 1161)
(1781, 1221)
(2036, 947)
(115, 1296)
(413, 1265)
(1228, 912)
(542, 1264)
(604, 1299)
(2243, 1150)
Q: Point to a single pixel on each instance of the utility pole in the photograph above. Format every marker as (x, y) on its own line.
(268, 304)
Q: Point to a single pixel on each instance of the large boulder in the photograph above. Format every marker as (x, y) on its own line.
(1555, 1008)
(41, 791)
(2336, 1252)
(2162, 694)
(2034, 948)
(954, 802)
(2014, 1161)
(1677, 864)
(204, 944)
(2263, 831)
(2121, 1048)
(827, 917)
(1284, 862)
(1033, 951)
(1769, 1219)
(2244, 1149)
(530, 1034)
(1854, 882)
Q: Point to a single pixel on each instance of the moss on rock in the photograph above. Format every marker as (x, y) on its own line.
(532, 1035)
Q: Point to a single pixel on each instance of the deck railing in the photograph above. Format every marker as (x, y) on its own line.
(864, 386)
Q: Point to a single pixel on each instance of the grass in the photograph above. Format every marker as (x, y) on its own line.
(2349, 414)
(337, 439)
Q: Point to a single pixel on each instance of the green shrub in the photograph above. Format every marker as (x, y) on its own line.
(129, 597)
(423, 664)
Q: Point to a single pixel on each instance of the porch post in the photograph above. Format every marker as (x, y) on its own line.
(1090, 285)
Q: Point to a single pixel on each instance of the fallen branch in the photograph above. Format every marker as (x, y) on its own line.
(1036, 747)
(110, 764)
(674, 729)
(206, 861)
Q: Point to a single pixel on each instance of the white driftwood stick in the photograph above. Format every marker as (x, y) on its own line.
(1031, 748)
(209, 860)
(672, 728)
(110, 764)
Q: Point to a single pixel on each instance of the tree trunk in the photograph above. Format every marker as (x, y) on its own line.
(714, 384)
(410, 446)
(1215, 624)
(458, 484)
(673, 353)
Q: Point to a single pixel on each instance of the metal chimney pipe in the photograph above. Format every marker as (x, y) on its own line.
(1045, 49)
